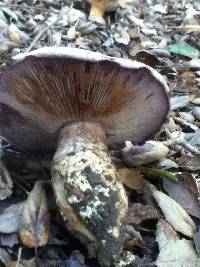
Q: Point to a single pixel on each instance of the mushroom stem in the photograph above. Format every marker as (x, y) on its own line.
(97, 9)
(89, 192)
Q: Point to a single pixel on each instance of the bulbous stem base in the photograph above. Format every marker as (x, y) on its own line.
(88, 190)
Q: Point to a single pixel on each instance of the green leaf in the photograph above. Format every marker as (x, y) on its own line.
(159, 173)
(184, 50)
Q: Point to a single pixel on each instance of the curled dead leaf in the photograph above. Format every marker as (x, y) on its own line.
(35, 221)
(185, 192)
(131, 177)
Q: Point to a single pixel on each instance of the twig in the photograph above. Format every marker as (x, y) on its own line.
(39, 35)
(180, 140)
(19, 256)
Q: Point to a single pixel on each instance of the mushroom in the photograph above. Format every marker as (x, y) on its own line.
(83, 100)
(99, 7)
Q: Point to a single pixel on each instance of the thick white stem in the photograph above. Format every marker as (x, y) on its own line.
(89, 192)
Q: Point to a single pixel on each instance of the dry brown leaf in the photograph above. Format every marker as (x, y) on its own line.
(186, 82)
(138, 213)
(189, 162)
(183, 194)
(6, 183)
(131, 177)
(189, 181)
(147, 58)
(35, 220)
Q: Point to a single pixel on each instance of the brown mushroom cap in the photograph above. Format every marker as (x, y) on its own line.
(50, 87)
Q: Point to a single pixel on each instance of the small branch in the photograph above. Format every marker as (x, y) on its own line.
(180, 140)
(19, 256)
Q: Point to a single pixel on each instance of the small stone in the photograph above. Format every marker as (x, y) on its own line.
(149, 152)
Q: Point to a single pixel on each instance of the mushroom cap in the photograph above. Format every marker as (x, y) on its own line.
(50, 87)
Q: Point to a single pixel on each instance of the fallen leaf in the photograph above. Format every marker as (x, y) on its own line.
(166, 164)
(4, 257)
(9, 240)
(6, 183)
(173, 251)
(189, 181)
(9, 218)
(183, 196)
(158, 173)
(197, 240)
(186, 82)
(190, 28)
(131, 178)
(35, 222)
(189, 162)
(147, 58)
(174, 213)
(137, 213)
(184, 50)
